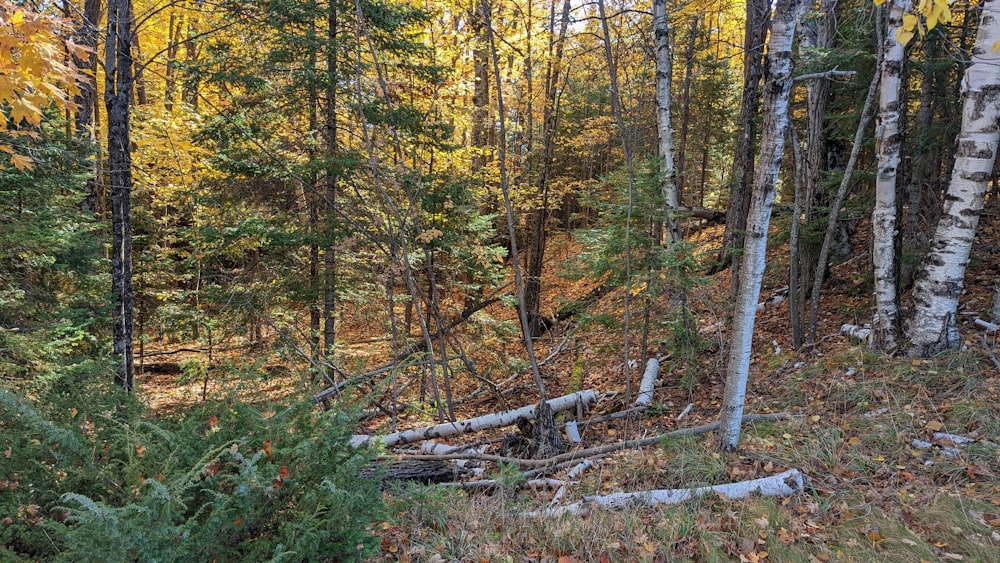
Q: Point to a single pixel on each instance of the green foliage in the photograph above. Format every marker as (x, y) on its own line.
(88, 477)
(51, 283)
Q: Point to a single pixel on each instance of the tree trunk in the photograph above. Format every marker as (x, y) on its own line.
(885, 322)
(191, 53)
(758, 12)
(330, 196)
(86, 116)
(481, 92)
(661, 41)
(686, 105)
(170, 73)
(776, 94)
(536, 250)
(117, 97)
(933, 327)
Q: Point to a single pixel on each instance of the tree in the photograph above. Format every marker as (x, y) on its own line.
(933, 326)
(777, 87)
(758, 12)
(664, 70)
(117, 99)
(885, 322)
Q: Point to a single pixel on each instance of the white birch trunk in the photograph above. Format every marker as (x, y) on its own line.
(776, 93)
(661, 43)
(784, 484)
(933, 327)
(496, 420)
(645, 397)
(889, 140)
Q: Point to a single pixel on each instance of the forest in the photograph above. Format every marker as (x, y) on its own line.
(499, 280)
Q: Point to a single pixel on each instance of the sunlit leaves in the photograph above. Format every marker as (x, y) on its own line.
(34, 73)
(925, 16)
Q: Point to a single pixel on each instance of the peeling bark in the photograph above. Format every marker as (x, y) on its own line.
(933, 327)
(885, 323)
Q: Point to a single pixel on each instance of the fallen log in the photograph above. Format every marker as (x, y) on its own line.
(862, 333)
(784, 484)
(495, 420)
(645, 397)
(570, 457)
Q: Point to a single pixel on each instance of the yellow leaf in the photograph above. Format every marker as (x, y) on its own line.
(23, 109)
(22, 162)
(17, 18)
(903, 36)
(934, 426)
(909, 23)
(854, 441)
(996, 46)
(879, 2)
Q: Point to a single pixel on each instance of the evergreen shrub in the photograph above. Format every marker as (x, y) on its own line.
(90, 477)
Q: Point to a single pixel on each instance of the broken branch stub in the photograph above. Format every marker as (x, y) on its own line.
(495, 420)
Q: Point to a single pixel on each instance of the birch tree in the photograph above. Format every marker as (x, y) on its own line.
(933, 327)
(885, 322)
(777, 87)
(661, 42)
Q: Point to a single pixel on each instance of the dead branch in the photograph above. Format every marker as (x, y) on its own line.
(830, 74)
(989, 352)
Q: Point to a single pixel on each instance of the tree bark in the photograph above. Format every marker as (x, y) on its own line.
(758, 22)
(117, 99)
(776, 94)
(885, 322)
(664, 69)
(933, 327)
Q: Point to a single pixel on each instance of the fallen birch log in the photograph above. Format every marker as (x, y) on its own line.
(495, 420)
(570, 457)
(645, 397)
(990, 327)
(854, 331)
(784, 484)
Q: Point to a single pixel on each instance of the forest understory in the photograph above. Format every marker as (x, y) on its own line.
(874, 436)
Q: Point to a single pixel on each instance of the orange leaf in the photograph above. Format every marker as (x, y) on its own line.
(22, 162)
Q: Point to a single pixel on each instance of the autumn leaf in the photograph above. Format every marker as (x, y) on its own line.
(22, 109)
(22, 162)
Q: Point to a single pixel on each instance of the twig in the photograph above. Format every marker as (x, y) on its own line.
(830, 74)
(989, 352)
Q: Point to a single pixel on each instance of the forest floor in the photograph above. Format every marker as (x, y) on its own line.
(871, 494)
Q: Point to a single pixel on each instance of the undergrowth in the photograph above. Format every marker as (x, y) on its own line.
(88, 475)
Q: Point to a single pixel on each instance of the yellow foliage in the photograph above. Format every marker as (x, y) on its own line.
(33, 71)
(925, 16)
